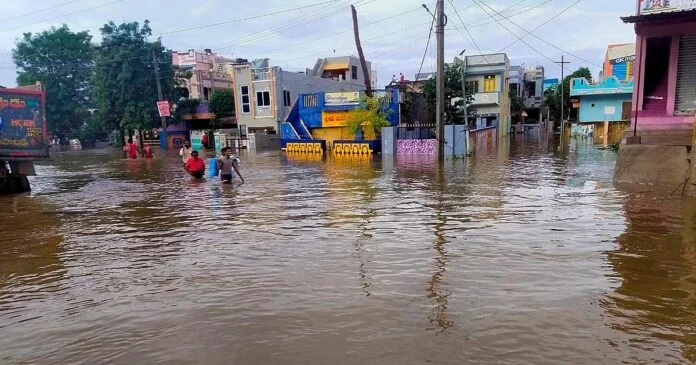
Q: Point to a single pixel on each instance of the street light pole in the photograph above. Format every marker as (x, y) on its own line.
(440, 93)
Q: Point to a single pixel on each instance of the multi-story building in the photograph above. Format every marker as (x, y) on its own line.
(346, 68)
(528, 83)
(264, 94)
(209, 72)
(487, 76)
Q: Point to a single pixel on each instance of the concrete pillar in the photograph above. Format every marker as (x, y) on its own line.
(606, 134)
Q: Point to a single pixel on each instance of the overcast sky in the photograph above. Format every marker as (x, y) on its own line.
(394, 32)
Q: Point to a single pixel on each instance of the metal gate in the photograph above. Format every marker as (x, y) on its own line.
(686, 76)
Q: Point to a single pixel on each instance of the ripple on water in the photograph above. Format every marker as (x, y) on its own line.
(527, 256)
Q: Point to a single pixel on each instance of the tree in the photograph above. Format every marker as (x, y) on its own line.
(552, 96)
(125, 84)
(222, 105)
(453, 90)
(63, 61)
(371, 116)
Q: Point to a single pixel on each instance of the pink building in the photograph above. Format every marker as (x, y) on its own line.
(664, 96)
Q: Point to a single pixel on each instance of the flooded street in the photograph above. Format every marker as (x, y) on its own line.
(527, 256)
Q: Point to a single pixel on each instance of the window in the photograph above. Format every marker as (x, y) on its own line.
(287, 101)
(354, 72)
(472, 87)
(263, 99)
(489, 84)
(246, 104)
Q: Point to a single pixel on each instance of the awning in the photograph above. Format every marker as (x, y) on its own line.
(659, 16)
(336, 67)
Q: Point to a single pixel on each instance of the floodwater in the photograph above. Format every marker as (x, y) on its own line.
(525, 256)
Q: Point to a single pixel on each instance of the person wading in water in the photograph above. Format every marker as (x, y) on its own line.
(185, 152)
(225, 164)
(195, 166)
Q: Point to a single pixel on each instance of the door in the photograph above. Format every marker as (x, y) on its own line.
(686, 76)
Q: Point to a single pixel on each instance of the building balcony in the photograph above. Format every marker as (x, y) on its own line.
(486, 99)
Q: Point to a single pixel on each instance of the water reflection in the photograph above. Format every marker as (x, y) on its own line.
(440, 295)
(655, 263)
(528, 256)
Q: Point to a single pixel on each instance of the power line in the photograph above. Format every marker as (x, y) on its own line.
(549, 20)
(64, 15)
(427, 45)
(513, 33)
(480, 22)
(330, 11)
(348, 30)
(39, 11)
(541, 39)
(244, 19)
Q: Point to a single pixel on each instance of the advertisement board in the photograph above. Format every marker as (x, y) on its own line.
(334, 118)
(22, 124)
(346, 98)
(665, 6)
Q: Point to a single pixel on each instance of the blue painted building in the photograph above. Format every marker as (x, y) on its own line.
(318, 119)
(607, 100)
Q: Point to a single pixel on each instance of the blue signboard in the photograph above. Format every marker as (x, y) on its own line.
(21, 125)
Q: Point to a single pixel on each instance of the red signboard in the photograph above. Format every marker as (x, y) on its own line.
(163, 108)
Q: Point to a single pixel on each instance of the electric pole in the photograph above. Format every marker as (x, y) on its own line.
(563, 62)
(440, 93)
(163, 120)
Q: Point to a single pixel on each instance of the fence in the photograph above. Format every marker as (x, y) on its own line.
(420, 132)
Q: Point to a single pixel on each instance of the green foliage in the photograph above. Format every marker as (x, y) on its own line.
(63, 61)
(371, 115)
(453, 89)
(125, 84)
(222, 105)
(181, 77)
(552, 96)
(185, 106)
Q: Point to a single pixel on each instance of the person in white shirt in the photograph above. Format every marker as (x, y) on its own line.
(185, 152)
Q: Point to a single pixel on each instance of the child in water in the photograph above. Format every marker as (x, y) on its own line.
(195, 166)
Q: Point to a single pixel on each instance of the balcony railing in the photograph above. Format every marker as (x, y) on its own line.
(486, 98)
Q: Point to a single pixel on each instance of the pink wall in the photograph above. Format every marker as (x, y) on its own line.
(645, 31)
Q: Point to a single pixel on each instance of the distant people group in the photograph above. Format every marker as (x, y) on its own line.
(225, 164)
(132, 151)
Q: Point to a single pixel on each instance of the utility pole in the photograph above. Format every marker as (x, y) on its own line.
(563, 62)
(440, 94)
(163, 120)
(363, 62)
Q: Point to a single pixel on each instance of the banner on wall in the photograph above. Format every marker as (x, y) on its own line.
(334, 118)
(665, 6)
(163, 108)
(337, 99)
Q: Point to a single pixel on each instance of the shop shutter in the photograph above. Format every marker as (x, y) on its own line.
(686, 76)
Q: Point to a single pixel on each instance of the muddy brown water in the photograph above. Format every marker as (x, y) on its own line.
(525, 256)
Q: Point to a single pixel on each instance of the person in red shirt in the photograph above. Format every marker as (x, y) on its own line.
(147, 151)
(195, 166)
(204, 140)
(132, 149)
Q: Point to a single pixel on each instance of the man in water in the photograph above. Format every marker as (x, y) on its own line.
(195, 166)
(225, 164)
(185, 152)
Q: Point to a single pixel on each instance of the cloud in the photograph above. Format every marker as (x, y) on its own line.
(394, 33)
